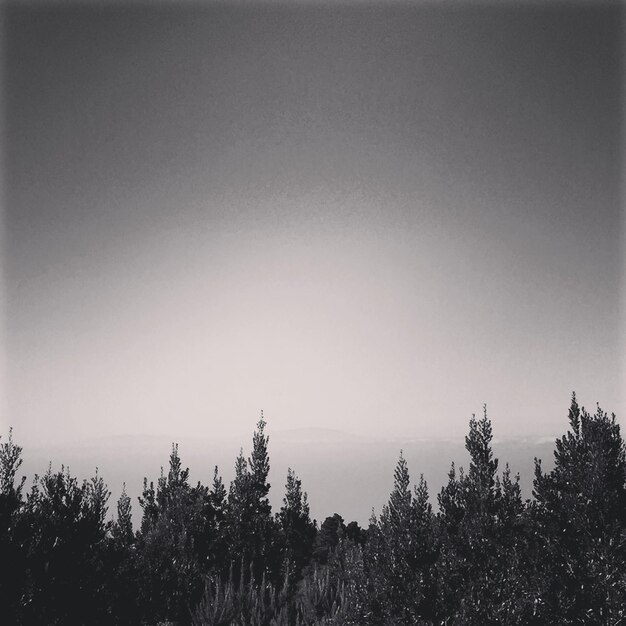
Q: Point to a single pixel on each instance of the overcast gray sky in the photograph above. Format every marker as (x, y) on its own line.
(369, 217)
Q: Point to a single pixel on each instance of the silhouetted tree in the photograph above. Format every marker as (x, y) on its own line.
(330, 532)
(400, 558)
(12, 561)
(252, 533)
(202, 554)
(581, 514)
(296, 529)
(173, 545)
(122, 529)
(478, 579)
(64, 532)
(355, 533)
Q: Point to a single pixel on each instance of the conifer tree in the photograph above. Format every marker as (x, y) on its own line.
(218, 534)
(581, 513)
(402, 580)
(476, 546)
(355, 534)
(259, 464)
(397, 514)
(218, 492)
(123, 575)
(328, 537)
(251, 529)
(240, 512)
(265, 550)
(172, 547)
(95, 502)
(122, 529)
(297, 530)
(64, 534)
(10, 463)
(12, 557)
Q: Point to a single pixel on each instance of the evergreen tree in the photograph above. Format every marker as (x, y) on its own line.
(10, 463)
(486, 558)
(240, 511)
(401, 589)
(335, 593)
(12, 557)
(124, 575)
(218, 492)
(64, 533)
(356, 534)
(297, 530)
(172, 547)
(260, 466)
(478, 542)
(581, 513)
(218, 547)
(400, 560)
(251, 529)
(330, 532)
(122, 529)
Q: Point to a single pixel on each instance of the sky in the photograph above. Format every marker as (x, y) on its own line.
(369, 217)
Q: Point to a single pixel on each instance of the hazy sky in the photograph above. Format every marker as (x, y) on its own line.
(372, 218)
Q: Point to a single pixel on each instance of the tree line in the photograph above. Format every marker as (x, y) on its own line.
(212, 555)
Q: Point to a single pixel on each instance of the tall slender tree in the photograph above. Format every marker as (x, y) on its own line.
(296, 529)
(172, 547)
(12, 557)
(475, 562)
(251, 528)
(400, 562)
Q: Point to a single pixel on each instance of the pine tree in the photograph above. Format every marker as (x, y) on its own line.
(240, 512)
(12, 557)
(296, 528)
(123, 573)
(64, 534)
(483, 467)
(401, 577)
(478, 540)
(330, 532)
(581, 512)
(218, 492)
(122, 530)
(10, 463)
(172, 548)
(260, 465)
(217, 535)
(251, 528)
(95, 502)
(397, 515)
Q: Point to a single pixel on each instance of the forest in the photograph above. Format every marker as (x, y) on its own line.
(476, 554)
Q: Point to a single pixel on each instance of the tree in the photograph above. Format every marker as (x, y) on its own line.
(335, 593)
(399, 559)
(64, 533)
(356, 534)
(296, 528)
(478, 577)
(124, 574)
(12, 562)
(260, 466)
(218, 535)
(172, 547)
(122, 529)
(251, 529)
(330, 532)
(581, 514)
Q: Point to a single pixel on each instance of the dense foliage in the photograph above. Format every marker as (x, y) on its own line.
(208, 555)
